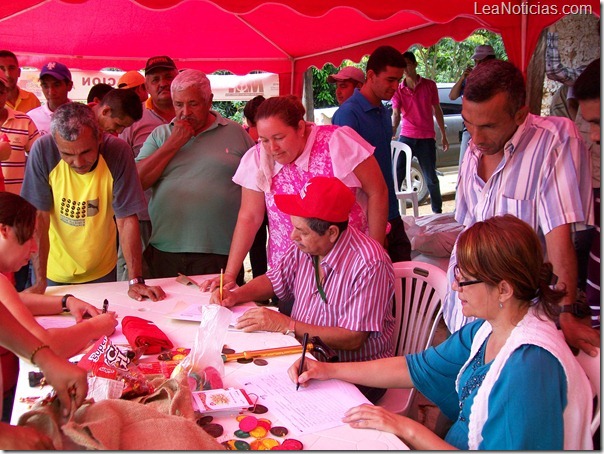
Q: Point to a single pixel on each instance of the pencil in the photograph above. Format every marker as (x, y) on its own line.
(221, 281)
(301, 368)
(105, 306)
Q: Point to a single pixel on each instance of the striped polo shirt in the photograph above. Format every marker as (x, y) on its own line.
(358, 285)
(22, 133)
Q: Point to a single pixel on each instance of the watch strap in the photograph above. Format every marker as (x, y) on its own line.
(136, 280)
(64, 307)
(578, 310)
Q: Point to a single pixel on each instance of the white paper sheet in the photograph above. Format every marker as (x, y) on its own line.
(308, 410)
(192, 312)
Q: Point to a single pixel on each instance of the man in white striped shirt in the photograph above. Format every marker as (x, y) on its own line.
(535, 168)
(341, 280)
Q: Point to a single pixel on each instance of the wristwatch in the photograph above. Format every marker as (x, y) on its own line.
(136, 280)
(64, 302)
(578, 310)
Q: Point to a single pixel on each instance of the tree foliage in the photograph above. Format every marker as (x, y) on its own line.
(442, 62)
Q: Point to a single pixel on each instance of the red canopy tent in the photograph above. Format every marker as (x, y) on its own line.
(282, 36)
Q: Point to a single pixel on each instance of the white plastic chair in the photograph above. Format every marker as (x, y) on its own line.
(419, 291)
(405, 191)
(591, 366)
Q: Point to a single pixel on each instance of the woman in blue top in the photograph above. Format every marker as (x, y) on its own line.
(508, 380)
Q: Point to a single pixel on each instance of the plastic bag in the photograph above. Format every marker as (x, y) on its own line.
(204, 365)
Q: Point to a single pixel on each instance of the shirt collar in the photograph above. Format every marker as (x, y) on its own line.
(511, 144)
(334, 259)
(364, 102)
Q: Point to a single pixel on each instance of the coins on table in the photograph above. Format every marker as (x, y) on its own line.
(279, 431)
(289, 444)
(227, 351)
(203, 420)
(255, 430)
(236, 445)
(244, 360)
(248, 423)
(215, 430)
(260, 362)
(258, 409)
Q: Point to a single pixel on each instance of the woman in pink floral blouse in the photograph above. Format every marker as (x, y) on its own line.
(289, 152)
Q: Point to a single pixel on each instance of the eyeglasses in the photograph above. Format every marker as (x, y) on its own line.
(461, 283)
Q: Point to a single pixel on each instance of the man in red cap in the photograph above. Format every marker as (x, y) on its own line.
(341, 280)
(346, 81)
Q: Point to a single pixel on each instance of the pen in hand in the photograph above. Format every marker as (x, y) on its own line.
(105, 306)
(221, 281)
(301, 368)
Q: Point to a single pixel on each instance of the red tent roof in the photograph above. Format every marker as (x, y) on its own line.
(283, 36)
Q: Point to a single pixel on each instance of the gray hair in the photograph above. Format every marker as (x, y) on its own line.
(192, 78)
(69, 119)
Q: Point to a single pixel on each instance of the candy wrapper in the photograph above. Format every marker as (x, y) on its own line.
(107, 361)
(204, 366)
(165, 364)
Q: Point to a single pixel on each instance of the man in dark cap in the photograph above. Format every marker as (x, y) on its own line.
(158, 110)
(55, 79)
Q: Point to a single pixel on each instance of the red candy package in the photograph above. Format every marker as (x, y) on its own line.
(108, 361)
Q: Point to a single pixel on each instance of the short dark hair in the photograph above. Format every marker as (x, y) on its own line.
(410, 56)
(385, 56)
(18, 213)
(98, 91)
(250, 109)
(587, 85)
(123, 103)
(320, 226)
(493, 77)
(8, 54)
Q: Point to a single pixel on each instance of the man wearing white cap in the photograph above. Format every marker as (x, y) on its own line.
(135, 81)
(341, 280)
(346, 81)
(56, 83)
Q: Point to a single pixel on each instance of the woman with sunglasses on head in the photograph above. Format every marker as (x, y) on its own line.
(507, 380)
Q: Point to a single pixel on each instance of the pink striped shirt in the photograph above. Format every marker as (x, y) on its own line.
(544, 179)
(359, 287)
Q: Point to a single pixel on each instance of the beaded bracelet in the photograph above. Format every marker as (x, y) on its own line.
(36, 350)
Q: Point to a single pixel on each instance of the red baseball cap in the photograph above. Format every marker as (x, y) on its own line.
(325, 198)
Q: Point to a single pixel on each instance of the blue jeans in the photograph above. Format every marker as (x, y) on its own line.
(425, 152)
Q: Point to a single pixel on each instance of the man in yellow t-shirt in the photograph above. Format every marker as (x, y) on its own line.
(79, 180)
(18, 99)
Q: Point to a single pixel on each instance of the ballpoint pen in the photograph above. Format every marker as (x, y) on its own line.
(301, 368)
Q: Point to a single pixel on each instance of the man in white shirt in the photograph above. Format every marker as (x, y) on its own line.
(56, 83)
